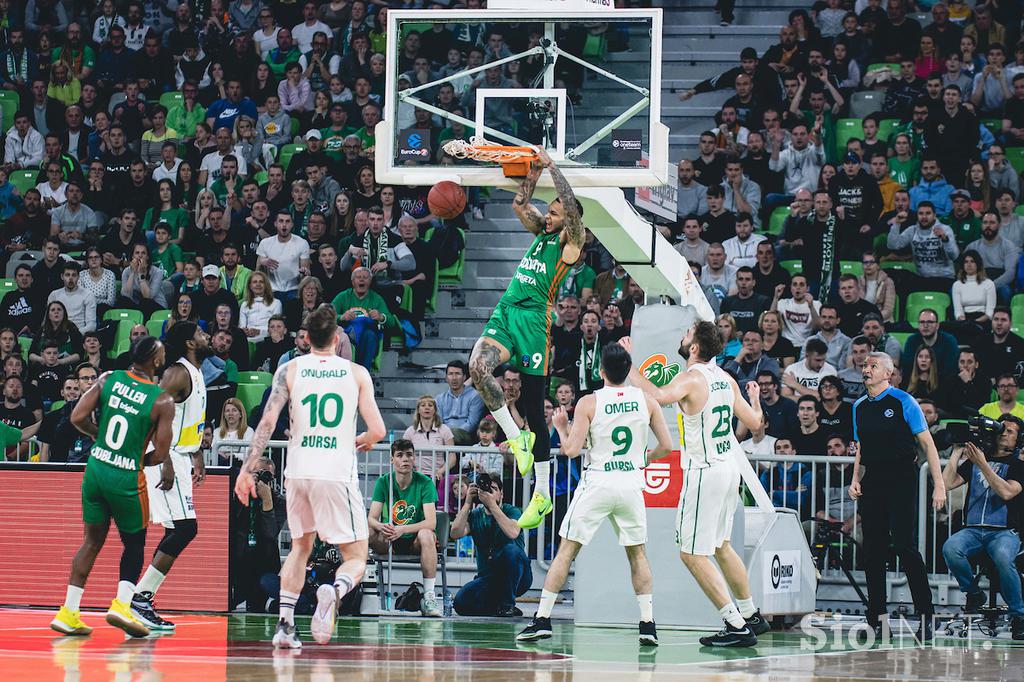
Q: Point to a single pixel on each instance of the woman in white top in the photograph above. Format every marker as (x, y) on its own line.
(974, 294)
(258, 307)
(100, 281)
(54, 190)
(427, 431)
(232, 426)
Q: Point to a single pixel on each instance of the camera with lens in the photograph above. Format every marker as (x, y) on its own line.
(484, 482)
(980, 430)
(265, 476)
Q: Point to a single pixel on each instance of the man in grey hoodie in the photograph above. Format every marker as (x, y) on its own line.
(998, 254)
(1001, 175)
(933, 246)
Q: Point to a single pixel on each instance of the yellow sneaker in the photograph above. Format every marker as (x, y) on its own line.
(522, 448)
(120, 616)
(68, 622)
(539, 507)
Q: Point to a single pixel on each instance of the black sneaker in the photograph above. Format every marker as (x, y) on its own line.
(731, 637)
(1017, 627)
(509, 612)
(648, 633)
(757, 623)
(975, 600)
(539, 628)
(142, 608)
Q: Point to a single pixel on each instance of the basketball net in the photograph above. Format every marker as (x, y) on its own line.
(515, 161)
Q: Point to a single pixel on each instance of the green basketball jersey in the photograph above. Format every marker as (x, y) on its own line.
(541, 271)
(124, 424)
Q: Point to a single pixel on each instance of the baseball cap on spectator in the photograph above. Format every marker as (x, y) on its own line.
(211, 271)
(960, 194)
(314, 135)
(851, 158)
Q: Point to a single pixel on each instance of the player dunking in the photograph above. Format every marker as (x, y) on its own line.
(708, 398)
(520, 327)
(615, 420)
(132, 409)
(170, 484)
(324, 394)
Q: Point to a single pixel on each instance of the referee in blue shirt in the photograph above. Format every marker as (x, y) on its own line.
(888, 430)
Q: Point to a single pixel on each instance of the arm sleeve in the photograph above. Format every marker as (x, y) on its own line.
(952, 250)
(1009, 267)
(897, 239)
(990, 297)
(855, 437)
(958, 304)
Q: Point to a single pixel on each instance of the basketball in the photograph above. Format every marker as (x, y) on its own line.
(447, 200)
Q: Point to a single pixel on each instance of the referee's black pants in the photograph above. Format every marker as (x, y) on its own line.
(887, 515)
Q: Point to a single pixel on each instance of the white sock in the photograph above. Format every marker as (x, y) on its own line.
(646, 602)
(287, 610)
(343, 584)
(547, 603)
(151, 581)
(73, 600)
(125, 591)
(428, 585)
(746, 607)
(731, 615)
(542, 477)
(506, 422)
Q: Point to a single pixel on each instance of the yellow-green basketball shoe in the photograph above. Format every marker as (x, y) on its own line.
(68, 622)
(522, 448)
(539, 507)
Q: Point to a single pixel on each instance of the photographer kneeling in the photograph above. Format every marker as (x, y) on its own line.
(992, 511)
(503, 569)
(254, 550)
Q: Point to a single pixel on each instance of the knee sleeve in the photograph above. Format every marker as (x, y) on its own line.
(176, 539)
(533, 404)
(132, 555)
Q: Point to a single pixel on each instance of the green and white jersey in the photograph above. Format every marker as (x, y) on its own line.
(535, 283)
(707, 436)
(124, 427)
(618, 438)
(324, 404)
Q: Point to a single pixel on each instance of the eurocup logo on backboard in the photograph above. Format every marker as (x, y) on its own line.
(414, 145)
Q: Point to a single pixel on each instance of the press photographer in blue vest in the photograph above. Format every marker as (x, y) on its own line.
(992, 511)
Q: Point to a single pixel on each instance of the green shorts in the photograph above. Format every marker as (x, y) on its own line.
(526, 334)
(109, 492)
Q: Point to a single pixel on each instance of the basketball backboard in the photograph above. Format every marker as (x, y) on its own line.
(561, 78)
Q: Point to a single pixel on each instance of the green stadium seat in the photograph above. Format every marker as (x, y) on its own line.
(261, 178)
(122, 338)
(8, 107)
(1019, 210)
(777, 220)
(135, 316)
(885, 127)
(295, 126)
(1015, 155)
(155, 328)
(160, 315)
(12, 96)
(255, 377)
(171, 99)
(451, 275)
(23, 180)
(25, 342)
(406, 303)
(250, 395)
(904, 265)
(793, 267)
(847, 129)
(7, 285)
(287, 152)
(851, 267)
(995, 125)
(901, 337)
(919, 300)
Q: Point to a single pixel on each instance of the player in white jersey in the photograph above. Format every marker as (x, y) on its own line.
(324, 395)
(170, 484)
(615, 419)
(708, 398)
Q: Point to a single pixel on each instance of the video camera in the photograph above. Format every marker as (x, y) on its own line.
(265, 476)
(980, 430)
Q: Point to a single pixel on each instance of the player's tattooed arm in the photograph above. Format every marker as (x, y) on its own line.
(485, 359)
(275, 403)
(527, 213)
